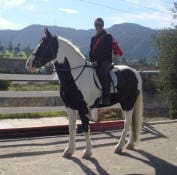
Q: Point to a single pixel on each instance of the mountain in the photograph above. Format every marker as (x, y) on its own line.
(135, 40)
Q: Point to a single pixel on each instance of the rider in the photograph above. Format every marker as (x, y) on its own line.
(101, 58)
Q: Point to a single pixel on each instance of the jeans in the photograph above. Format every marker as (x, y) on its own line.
(104, 77)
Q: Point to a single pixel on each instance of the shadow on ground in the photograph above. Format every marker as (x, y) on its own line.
(161, 167)
(86, 169)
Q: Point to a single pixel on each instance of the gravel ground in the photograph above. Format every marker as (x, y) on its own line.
(156, 154)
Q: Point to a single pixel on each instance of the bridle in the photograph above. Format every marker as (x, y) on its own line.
(69, 69)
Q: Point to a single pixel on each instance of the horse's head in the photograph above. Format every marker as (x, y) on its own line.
(45, 52)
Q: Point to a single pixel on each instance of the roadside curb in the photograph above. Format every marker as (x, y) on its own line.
(161, 122)
(56, 130)
(41, 131)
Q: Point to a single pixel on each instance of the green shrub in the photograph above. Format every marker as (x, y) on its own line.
(4, 84)
(166, 42)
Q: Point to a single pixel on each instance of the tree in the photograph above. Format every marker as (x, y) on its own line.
(17, 48)
(1, 47)
(10, 47)
(167, 47)
(27, 50)
(174, 11)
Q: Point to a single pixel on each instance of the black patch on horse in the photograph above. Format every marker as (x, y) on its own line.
(47, 51)
(70, 94)
(127, 89)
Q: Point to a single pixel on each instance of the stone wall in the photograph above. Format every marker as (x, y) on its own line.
(12, 65)
(30, 101)
(154, 103)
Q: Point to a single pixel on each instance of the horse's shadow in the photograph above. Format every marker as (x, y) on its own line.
(86, 169)
(161, 167)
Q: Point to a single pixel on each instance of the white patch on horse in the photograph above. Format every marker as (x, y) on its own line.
(76, 58)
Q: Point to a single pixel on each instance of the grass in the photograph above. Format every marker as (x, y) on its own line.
(10, 55)
(33, 87)
(37, 115)
(109, 114)
(112, 117)
(33, 115)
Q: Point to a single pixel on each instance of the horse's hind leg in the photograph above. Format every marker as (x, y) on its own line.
(70, 149)
(130, 144)
(127, 122)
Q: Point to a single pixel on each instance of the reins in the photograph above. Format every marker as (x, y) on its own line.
(77, 67)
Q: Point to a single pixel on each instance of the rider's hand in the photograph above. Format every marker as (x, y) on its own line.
(94, 64)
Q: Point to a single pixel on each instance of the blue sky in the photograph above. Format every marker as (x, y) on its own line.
(80, 14)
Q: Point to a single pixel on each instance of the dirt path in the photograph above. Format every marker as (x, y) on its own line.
(156, 155)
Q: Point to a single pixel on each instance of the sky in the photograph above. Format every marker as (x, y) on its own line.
(80, 14)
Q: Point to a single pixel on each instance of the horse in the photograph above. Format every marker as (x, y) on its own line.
(79, 90)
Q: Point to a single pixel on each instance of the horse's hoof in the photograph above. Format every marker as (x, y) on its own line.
(68, 152)
(118, 150)
(86, 155)
(67, 155)
(130, 146)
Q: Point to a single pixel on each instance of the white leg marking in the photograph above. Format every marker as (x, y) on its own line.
(130, 144)
(94, 115)
(121, 143)
(70, 149)
(88, 150)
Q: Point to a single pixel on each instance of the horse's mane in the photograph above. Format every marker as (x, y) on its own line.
(72, 46)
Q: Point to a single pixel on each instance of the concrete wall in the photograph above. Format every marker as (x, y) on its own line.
(12, 65)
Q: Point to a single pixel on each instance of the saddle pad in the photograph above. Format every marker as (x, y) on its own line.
(112, 75)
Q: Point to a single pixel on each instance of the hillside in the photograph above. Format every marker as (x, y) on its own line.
(133, 39)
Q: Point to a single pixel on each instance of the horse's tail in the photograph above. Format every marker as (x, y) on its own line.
(138, 112)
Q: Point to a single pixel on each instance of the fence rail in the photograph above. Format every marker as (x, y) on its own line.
(29, 77)
(21, 94)
(26, 77)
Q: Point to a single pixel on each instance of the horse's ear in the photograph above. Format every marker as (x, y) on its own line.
(47, 33)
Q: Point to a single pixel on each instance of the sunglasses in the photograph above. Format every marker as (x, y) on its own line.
(98, 24)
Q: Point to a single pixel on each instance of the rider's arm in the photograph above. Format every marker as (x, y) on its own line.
(91, 56)
(107, 51)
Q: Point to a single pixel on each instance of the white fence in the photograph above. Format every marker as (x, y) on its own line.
(29, 94)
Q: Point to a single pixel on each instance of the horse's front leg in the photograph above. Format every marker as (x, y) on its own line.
(85, 126)
(70, 149)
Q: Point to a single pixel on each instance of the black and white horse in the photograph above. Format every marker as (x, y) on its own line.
(79, 90)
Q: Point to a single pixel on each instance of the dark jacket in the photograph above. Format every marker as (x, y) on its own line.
(103, 51)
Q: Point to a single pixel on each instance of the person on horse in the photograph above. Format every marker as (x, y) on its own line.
(101, 58)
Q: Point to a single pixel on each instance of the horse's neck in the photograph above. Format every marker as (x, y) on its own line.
(68, 51)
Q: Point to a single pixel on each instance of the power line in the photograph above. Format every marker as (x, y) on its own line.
(118, 9)
(139, 5)
(103, 5)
